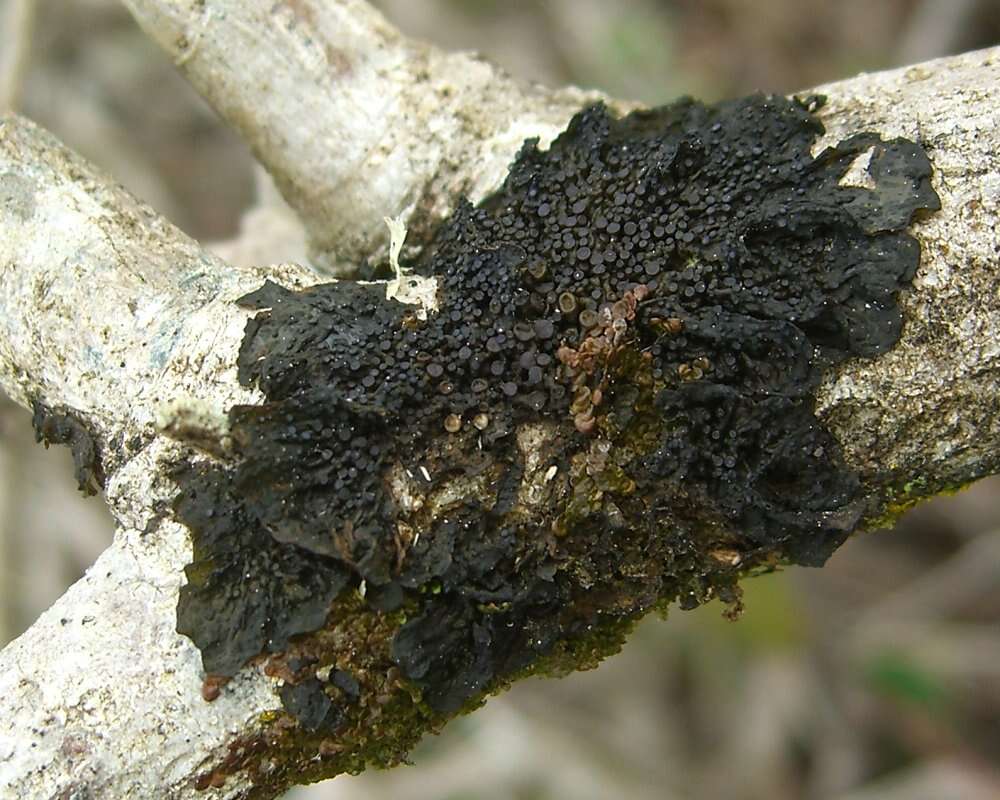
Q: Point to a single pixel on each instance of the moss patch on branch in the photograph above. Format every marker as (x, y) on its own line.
(613, 408)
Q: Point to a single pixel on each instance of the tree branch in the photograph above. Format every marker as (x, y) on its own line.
(353, 121)
(107, 312)
(927, 411)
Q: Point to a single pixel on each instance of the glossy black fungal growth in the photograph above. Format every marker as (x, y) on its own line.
(311, 706)
(246, 592)
(64, 427)
(612, 407)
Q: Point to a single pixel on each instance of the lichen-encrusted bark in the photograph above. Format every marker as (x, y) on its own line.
(353, 121)
(101, 696)
(616, 387)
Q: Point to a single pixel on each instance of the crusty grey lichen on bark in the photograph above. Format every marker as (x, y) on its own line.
(104, 697)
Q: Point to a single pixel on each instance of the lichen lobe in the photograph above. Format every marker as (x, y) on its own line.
(661, 294)
(63, 426)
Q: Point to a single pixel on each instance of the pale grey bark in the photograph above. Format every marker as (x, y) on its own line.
(352, 120)
(108, 310)
(929, 411)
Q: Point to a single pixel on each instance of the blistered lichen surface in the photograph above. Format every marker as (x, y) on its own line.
(613, 407)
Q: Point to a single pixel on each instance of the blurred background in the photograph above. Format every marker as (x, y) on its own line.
(875, 678)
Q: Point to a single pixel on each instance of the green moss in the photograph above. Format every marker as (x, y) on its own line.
(899, 498)
(377, 729)
(381, 733)
(586, 651)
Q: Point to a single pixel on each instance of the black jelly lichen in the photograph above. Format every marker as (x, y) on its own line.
(311, 706)
(613, 407)
(246, 592)
(65, 427)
